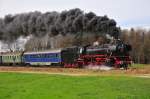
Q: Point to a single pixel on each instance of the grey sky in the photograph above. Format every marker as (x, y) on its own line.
(127, 13)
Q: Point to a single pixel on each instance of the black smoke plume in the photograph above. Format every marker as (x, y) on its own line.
(54, 23)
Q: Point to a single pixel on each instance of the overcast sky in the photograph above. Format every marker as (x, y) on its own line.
(127, 13)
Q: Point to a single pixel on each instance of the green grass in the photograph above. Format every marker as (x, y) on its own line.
(42, 86)
(140, 65)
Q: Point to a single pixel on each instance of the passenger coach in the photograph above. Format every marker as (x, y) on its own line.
(11, 58)
(42, 57)
(60, 57)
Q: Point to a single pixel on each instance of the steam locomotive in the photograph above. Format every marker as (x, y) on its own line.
(114, 54)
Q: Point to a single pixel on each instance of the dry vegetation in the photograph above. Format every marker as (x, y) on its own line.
(76, 72)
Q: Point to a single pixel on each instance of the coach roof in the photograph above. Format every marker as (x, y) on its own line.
(11, 53)
(47, 51)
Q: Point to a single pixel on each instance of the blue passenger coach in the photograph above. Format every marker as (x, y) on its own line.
(42, 57)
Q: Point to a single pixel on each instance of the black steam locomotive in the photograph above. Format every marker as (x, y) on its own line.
(115, 54)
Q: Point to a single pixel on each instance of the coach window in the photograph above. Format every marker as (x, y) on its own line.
(41, 55)
(31, 56)
(44, 56)
(34, 56)
(38, 56)
(53, 55)
(25, 56)
(50, 55)
(56, 55)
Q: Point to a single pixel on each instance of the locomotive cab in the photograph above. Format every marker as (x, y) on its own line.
(69, 56)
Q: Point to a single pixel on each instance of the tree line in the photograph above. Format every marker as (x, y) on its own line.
(140, 42)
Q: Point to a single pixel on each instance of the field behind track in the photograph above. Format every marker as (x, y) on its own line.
(62, 83)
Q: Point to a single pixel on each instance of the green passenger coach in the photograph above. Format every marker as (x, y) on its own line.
(12, 58)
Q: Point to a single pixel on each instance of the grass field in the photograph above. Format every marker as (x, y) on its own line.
(44, 86)
(140, 65)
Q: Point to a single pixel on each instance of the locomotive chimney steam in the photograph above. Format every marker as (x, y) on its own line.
(53, 23)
